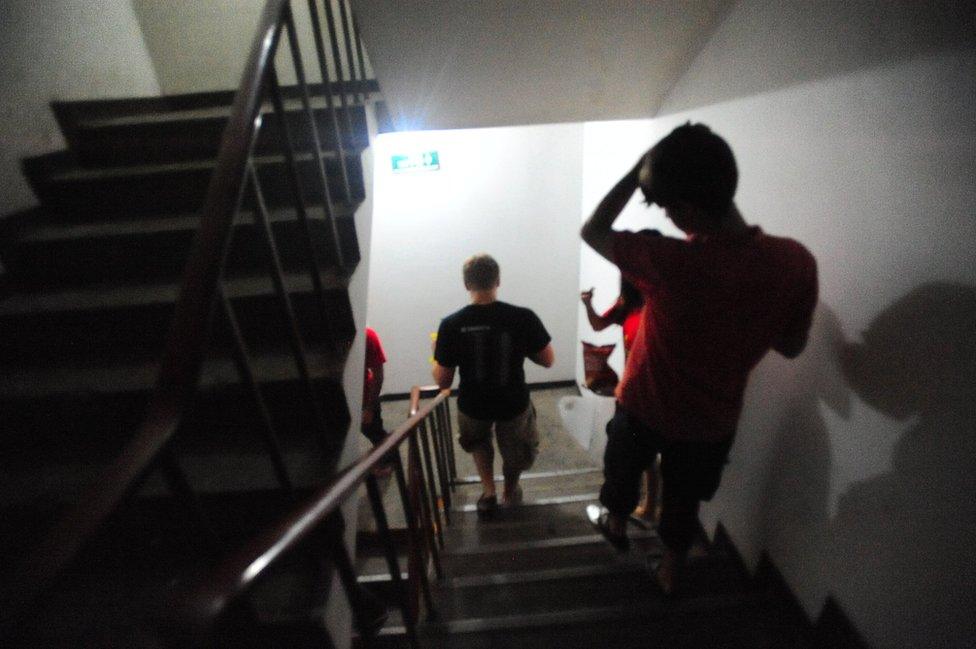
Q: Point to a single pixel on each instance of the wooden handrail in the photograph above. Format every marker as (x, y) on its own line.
(235, 575)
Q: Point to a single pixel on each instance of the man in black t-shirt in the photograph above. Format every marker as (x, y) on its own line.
(488, 341)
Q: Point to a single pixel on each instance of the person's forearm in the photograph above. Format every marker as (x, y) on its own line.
(598, 322)
(598, 228)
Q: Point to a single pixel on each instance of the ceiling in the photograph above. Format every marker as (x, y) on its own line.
(477, 63)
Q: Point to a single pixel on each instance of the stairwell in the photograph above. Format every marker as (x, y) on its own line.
(93, 275)
(538, 575)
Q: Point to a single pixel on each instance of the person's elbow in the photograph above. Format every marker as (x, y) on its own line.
(545, 357)
(443, 376)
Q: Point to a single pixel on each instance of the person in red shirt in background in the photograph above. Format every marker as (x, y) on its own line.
(626, 312)
(372, 421)
(716, 302)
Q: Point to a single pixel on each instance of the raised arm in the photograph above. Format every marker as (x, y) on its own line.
(597, 321)
(597, 232)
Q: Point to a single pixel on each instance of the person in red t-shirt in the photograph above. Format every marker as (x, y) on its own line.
(716, 302)
(372, 421)
(626, 312)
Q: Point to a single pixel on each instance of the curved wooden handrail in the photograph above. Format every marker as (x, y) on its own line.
(189, 329)
(235, 575)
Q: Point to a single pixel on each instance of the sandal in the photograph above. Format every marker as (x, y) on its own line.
(598, 517)
(486, 506)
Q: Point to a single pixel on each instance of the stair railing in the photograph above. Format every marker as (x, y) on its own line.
(194, 618)
(234, 181)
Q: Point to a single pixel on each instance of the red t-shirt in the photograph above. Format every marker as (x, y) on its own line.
(374, 360)
(629, 321)
(714, 306)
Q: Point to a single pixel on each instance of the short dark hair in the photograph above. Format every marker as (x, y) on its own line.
(480, 273)
(694, 164)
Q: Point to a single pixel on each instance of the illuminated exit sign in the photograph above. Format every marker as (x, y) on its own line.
(426, 161)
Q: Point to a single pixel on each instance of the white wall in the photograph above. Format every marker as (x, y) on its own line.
(78, 49)
(202, 45)
(854, 465)
(511, 192)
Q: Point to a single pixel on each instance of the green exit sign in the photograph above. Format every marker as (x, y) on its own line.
(426, 161)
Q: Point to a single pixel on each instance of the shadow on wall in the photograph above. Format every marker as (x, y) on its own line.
(900, 552)
(793, 504)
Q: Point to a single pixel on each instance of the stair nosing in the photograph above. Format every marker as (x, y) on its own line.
(149, 225)
(626, 564)
(539, 544)
(292, 104)
(105, 297)
(84, 174)
(644, 609)
(141, 376)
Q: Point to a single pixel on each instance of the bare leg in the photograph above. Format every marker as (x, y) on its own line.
(512, 493)
(648, 508)
(484, 461)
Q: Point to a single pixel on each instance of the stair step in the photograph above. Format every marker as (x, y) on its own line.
(196, 134)
(475, 560)
(72, 113)
(56, 256)
(718, 621)
(271, 366)
(115, 323)
(85, 194)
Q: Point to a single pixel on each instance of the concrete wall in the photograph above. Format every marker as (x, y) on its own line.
(511, 192)
(854, 465)
(77, 49)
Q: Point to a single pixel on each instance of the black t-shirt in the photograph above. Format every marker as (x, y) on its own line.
(488, 344)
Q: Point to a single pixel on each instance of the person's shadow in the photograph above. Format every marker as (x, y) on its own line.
(901, 548)
(776, 498)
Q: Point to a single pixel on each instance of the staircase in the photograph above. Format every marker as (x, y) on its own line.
(93, 276)
(539, 576)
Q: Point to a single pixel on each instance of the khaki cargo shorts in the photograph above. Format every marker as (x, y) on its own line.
(518, 438)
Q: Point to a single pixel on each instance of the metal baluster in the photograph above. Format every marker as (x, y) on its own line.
(327, 91)
(428, 468)
(361, 55)
(300, 208)
(277, 277)
(358, 598)
(450, 436)
(426, 519)
(438, 440)
(268, 436)
(379, 513)
(296, 55)
(347, 39)
(414, 530)
(337, 59)
(443, 427)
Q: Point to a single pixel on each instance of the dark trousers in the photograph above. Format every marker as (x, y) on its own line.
(690, 473)
(374, 431)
